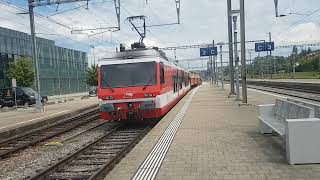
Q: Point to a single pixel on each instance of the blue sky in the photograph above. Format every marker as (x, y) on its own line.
(201, 22)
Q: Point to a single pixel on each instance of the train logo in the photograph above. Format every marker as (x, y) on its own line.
(128, 94)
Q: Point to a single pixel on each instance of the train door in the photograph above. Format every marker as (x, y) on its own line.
(162, 74)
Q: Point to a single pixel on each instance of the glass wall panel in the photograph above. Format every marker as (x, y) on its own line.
(62, 70)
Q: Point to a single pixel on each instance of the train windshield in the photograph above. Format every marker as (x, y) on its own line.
(132, 74)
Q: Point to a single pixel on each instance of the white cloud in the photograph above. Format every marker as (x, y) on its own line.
(302, 33)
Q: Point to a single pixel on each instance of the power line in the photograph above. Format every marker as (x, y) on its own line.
(49, 31)
(45, 18)
(36, 14)
(299, 21)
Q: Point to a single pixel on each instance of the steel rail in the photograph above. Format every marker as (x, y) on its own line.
(300, 87)
(33, 137)
(106, 162)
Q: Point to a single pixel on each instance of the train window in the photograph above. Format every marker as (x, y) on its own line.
(162, 79)
(185, 79)
(180, 79)
(174, 84)
(128, 75)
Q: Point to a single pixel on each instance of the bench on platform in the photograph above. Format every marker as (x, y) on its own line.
(314, 106)
(297, 124)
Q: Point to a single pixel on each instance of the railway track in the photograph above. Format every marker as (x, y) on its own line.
(18, 143)
(306, 91)
(311, 88)
(94, 160)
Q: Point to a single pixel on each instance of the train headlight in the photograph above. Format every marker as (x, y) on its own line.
(109, 98)
(149, 95)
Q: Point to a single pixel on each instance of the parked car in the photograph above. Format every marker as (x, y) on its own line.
(93, 93)
(26, 96)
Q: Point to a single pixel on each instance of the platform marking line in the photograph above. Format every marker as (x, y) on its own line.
(34, 119)
(151, 165)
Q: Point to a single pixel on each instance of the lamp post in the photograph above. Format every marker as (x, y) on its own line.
(243, 53)
(230, 48)
(234, 18)
(39, 106)
(221, 64)
(94, 56)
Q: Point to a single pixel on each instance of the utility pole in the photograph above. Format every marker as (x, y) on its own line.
(221, 68)
(175, 54)
(294, 56)
(35, 57)
(251, 65)
(243, 52)
(273, 60)
(294, 67)
(94, 56)
(214, 69)
(230, 48)
(211, 72)
(234, 18)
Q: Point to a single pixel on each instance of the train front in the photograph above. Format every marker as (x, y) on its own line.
(128, 89)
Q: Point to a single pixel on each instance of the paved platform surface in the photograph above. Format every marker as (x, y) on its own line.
(289, 80)
(21, 117)
(217, 139)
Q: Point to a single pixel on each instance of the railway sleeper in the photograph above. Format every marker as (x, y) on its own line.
(98, 156)
(87, 162)
(112, 147)
(56, 176)
(78, 170)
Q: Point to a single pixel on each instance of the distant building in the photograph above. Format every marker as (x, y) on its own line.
(62, 70)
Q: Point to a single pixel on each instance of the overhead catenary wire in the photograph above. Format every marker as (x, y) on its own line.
(299, 21)
(23, 10)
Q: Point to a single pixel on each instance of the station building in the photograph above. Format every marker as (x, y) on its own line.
(62, 70)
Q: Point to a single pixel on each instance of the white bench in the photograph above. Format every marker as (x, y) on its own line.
(297, 124)
(314, 106)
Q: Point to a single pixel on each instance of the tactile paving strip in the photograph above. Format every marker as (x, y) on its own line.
(152, 163)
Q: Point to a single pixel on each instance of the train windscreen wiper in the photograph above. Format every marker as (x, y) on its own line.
(148, 83)
(108, 85)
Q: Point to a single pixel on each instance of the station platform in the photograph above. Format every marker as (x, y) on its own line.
(21, 120)
(217, 139)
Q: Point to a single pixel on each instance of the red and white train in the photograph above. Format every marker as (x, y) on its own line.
(140, 84)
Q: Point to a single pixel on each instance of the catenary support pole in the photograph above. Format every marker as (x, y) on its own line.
(35, 58)
(230, 48)
(273, 59)
(221, 67)
(236, 59)
(243, 52)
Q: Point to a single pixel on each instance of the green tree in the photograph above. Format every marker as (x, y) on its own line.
(22, 71)
(92, 75)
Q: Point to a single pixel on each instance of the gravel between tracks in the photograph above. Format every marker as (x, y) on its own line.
(32, 159)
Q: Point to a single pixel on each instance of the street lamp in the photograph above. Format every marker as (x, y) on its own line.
(221, 63)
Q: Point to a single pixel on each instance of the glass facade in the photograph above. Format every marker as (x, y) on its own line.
(62, 70)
